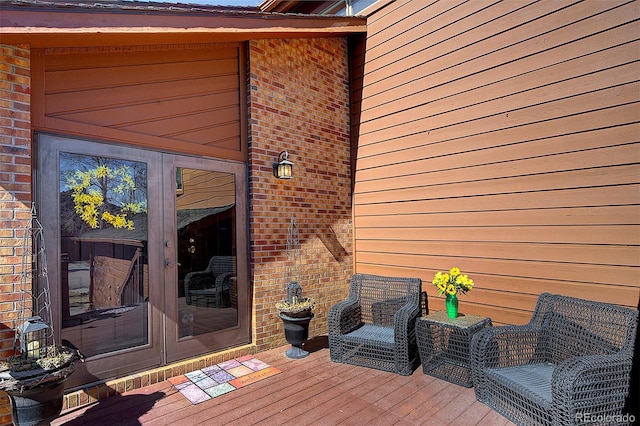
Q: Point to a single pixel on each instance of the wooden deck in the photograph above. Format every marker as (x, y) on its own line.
(309, 391)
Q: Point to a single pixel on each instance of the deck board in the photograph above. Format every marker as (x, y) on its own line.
(309, 391)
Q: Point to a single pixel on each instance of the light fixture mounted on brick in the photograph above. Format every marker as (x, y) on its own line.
(283, 169)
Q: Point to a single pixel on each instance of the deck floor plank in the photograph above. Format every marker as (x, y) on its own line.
(309, 391)
(312, 393)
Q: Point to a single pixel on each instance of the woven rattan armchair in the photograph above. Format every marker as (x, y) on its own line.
(209, 286)
(374, 327)
(570, 365)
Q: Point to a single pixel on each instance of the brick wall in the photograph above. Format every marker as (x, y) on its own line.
(15, 182)
(299, 102)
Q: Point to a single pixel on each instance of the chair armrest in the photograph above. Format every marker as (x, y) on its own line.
(198, 280)
(221, 278)
(344, 317)
(600, 380)
(507, 346)
(404, 322)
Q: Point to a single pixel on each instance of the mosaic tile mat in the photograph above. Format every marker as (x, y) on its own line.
(210, 382)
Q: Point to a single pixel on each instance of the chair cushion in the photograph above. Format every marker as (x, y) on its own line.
(533, 380)
(370, 333)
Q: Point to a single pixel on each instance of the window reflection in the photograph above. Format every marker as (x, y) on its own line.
(206, 217)
(103, 238)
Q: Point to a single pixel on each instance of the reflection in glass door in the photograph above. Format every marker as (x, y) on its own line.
(207, 277)
(146, 254)
(103, 239)
(209, 299)
(100, 206)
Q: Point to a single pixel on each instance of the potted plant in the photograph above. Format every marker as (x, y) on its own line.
(296, 313)
(450, 284)
(34, 378)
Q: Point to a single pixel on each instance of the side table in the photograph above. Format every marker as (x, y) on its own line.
(443, 344)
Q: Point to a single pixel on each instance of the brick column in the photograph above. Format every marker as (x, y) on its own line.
(15, 188)
(298, 93)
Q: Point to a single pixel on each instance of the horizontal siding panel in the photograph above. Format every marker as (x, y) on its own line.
(593, 274)
(60, 59)
(153, 142)
(483, 297)
(445, 46)
(203, 136)
(594, 177)
(500, 315)
(590, 126)
(603, 215)
(528, 88)
(596, 234)
(187, 97)
(228, 144)
(61, 104)
(531, 71)
(133, 75)
(621, 294)
(502, 137)
(504, 175)
(223, 105)
(492, 45)
(512, 292)
(496, 82)
(433, 23)
(591, 197)
(538, 112)
(479, 152)
(225, 125)
(438, 59)
(564, 253)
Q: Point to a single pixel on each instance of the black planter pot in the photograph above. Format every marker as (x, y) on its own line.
(296, 331)
(37, 394)
(37, 406)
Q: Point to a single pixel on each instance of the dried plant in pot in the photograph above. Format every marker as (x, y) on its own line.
(296, 308)
(37, 362)
(34, 381)
(296, 313)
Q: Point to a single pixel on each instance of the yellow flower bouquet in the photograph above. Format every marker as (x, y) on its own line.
(452, 282)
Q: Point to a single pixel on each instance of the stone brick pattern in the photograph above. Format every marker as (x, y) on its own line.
(298, 93)
(15, 182)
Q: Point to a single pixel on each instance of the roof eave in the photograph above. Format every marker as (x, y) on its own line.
(41, 27)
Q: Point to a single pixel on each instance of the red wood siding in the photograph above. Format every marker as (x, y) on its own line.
(502, 137)
(185, 100)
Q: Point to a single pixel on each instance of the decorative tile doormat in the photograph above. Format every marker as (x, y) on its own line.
(210, 382)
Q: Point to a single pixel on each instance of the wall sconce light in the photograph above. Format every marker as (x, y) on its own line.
(283, 169)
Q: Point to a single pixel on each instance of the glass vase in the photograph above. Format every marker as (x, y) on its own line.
(452, 305)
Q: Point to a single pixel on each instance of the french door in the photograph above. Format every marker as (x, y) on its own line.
(146, 251)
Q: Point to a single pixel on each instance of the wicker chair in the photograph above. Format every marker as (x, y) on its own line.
(570, 365)
(374, 327)
(211, 287)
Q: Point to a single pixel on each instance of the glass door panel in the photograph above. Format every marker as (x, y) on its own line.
(206, 226)
(103, 239)
(209, 299)
(99, 205)
(146, 254)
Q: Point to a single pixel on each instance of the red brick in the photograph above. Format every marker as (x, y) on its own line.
(317, 139)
